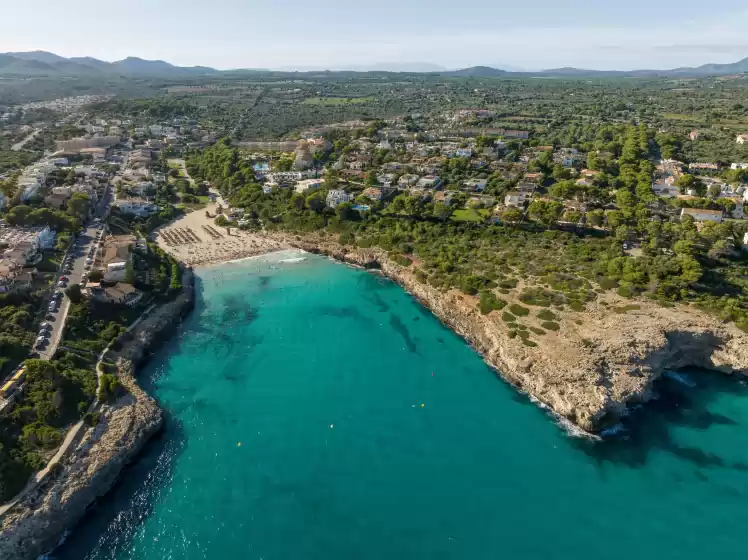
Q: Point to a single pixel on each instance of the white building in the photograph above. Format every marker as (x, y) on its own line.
(115, 272)
(429, 182)
(136, 206)
(739, 166)
(476, 184)
(46, 238)
(336, 196)
(284, 177)
(515, 199)
(702, 214)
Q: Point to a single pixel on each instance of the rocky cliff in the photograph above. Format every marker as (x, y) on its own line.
(599, 362)
(36, 523)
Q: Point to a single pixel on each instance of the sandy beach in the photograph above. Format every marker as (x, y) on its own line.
(195, 240)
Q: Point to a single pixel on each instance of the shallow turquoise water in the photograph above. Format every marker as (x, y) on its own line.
(321, 371)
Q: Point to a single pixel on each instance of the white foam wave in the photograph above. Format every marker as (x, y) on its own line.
(572, 430)
(613, 430)
(681, 378)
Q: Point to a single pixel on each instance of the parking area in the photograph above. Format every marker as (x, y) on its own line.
(74, 270)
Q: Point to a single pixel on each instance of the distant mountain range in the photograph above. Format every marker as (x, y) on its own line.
(41, 63)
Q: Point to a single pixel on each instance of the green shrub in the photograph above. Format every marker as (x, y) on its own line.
(607, 283)
(518, 310)
(547, 315)
(537, 297)
(109, 388)
(489, 302)
(402, 260)
(512, 334)
(507, 317)
(625, 291)
(92, 418)
(528, 342)
(537, 331)
(550, 325)
(576, 305)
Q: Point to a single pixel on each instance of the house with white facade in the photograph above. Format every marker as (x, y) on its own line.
(703, 215)
(515, 199)
(476, 184)
(429, 182)
(337, 196)
(137, 206)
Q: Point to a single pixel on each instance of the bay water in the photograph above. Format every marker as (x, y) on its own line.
(315, 411)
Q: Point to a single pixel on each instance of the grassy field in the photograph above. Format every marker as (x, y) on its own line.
(336, 100)
(470, 215)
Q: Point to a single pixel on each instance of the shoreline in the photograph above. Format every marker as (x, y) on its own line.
(590, 388)
(36, 524)
(588, 374)
(578, 404)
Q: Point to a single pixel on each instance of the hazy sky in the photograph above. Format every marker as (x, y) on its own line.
(599, 34)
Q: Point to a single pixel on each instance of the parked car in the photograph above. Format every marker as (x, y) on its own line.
(61, 284)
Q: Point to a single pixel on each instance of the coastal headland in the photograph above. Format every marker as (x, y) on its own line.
(35, 523)
(599, 361)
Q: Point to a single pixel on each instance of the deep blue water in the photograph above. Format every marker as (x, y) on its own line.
(318, 412)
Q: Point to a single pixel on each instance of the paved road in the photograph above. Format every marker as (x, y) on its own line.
(78, 254)
(19, 146)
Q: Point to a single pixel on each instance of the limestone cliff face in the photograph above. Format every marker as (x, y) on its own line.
(37, 522)
(598, 363)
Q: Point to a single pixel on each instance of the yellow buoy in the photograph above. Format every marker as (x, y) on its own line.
(239, 444)
(422, 405)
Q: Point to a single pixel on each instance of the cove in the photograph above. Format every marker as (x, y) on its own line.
(315, 411)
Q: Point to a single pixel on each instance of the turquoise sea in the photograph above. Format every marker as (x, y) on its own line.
(315, 411)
